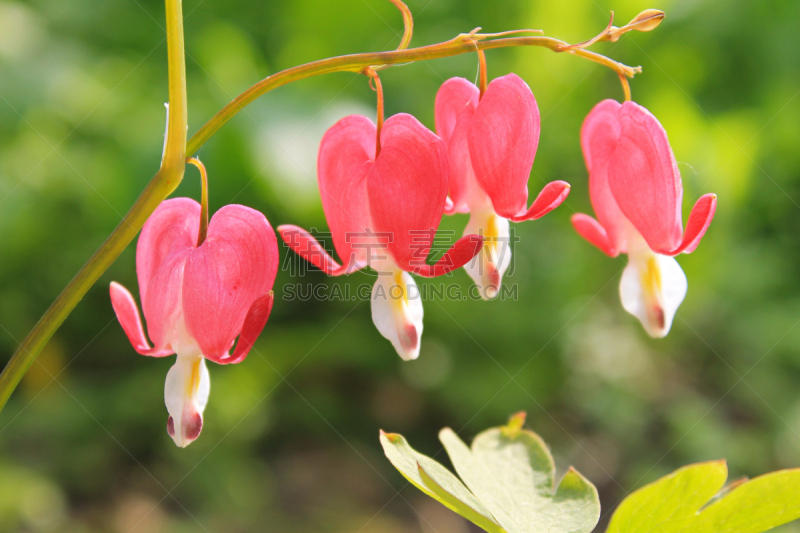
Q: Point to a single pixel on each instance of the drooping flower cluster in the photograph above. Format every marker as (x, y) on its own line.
(384, 208)
(636, 191)
(384, 191)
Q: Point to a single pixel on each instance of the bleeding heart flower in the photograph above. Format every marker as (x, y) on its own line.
(198, 299)
(636, 191)
(383, 212)
(491, 143)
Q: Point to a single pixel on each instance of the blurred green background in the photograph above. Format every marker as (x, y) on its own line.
(290, 442)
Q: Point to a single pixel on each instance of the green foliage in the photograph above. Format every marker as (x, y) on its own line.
(511, 478)
(680, 502)
(436, 481)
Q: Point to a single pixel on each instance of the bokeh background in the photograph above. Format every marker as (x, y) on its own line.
(291, 436)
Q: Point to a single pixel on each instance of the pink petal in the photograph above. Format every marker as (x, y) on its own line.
(307, 247)
(644, 179)
(594, 232)
(454, 96)
(502, 143)
(254, 322)
(171, 229)
(549, 198)
(699, 220)
(455, 106)
(599, 137)
(457, 256)
(345, 155)
(234, 266)
(161, 304)
(128, 316)
(407, 188)
(461, 175)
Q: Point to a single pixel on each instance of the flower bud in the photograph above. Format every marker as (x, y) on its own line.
(647, 20)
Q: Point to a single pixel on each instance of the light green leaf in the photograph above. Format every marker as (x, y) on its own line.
(511, 479)
(670, 499)
(436, 481)
(512, 473)
(675, 503)
(477, 518)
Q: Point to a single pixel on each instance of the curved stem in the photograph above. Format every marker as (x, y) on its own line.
(379, 89)
(599, 37)
(203, 231)
(626, 87)
(408, 24)
(462, 44)
(482, 76)
(163, 183)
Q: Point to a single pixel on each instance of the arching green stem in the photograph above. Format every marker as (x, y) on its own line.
(163, 183)
(464, 43)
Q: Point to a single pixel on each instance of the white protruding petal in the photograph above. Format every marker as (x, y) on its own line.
(652, 288)
(186, 396)
(397, 312)
(487, 268)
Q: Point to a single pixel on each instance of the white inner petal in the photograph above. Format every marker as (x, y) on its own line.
(186, 395)
(397, 311)
(652, 288)
(487, 268)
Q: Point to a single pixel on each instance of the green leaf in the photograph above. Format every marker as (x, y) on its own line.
(436, 481)
(511, 479)
(512, 473)
(675, 503)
